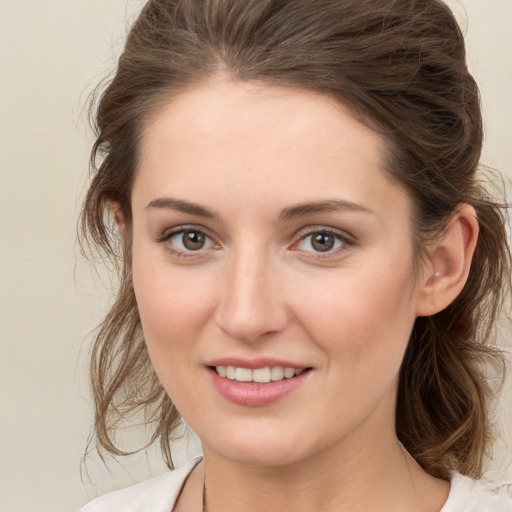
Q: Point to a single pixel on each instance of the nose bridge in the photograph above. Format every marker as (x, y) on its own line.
(251, 304)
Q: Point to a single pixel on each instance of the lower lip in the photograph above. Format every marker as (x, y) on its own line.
(252, 394)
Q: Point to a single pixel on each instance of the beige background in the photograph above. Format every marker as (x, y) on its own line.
(52, 53)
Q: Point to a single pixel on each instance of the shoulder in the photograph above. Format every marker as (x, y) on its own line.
(157, 494)
(470, 495)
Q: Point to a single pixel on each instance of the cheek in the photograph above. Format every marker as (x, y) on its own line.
(365, 317)
(172, 311)
(171, 304)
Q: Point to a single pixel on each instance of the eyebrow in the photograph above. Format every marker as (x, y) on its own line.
(170, 203)
(289, 213)
(329, 205)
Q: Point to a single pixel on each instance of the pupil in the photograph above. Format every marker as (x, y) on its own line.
(323, 242)
(193, 240)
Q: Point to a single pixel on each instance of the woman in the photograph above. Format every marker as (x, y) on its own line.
(311, 269)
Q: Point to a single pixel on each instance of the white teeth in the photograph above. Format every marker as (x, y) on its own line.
(289, 373)
(277, 373)
(230, 372)
(243, 375)
(261, 375)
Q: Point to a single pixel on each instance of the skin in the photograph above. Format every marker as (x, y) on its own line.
(258, 288)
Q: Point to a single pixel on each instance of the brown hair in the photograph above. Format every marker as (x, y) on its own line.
(399, 66)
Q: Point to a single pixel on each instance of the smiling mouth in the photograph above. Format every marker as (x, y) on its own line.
(258, 375)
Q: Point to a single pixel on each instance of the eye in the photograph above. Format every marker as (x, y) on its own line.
(191, 240)
(186, 240)
(322, 241)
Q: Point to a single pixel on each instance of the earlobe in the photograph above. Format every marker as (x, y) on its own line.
(450, 260)
(117, 216)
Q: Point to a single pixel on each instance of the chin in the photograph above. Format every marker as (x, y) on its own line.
(261, 448)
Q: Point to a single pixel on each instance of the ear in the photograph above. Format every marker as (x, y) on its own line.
(446, 271)
(117, 216)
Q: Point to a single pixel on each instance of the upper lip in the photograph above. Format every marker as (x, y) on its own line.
(261, 362)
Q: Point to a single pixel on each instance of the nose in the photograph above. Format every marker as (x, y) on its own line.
(251, 303)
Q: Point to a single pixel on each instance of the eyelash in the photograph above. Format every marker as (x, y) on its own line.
(346, 241)
(167, 235)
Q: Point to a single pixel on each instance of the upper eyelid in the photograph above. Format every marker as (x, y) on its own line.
(168, 232)
(321, 229)
(348, 241)
(344, 235)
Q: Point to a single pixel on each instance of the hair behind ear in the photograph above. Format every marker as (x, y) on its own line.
(446, 389)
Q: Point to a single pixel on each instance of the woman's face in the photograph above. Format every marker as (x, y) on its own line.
(269, 243)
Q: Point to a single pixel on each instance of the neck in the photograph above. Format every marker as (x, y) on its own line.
(363, 477)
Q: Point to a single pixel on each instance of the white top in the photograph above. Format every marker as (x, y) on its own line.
(159, 494)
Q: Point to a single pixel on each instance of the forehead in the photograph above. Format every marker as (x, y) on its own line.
(253, 142)
(249, 115)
